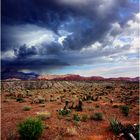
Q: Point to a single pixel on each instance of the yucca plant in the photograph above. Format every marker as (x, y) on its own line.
(116, 126)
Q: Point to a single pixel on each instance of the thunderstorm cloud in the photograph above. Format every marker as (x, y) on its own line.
(87, 37)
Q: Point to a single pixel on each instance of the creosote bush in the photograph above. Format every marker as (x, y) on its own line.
(79, 107)
(125, 110)
(30, 129)
(76, 117)
(97, 116)
(28, 93)
(64, 112)
(41, 99)
(90, 108)
(27, 108)
(97, 106)
(19, 99)
(84, 117)
(115, 106)
(42, 105)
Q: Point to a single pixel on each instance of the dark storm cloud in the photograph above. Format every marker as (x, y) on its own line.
(24, 52)
(41, 12)
(53, 48)
(32, 64)
(86, 21)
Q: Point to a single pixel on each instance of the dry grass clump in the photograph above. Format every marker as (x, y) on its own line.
(27, 108)
(71, 131)
(43, 115)
(38, 100)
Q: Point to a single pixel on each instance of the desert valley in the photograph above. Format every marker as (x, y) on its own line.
(72, 108)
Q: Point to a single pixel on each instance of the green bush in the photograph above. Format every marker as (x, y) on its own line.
(125, 110)
(76, 117)
(97, 116)
(30, 129)
(19, 99)
(64, 112)
(27, 108)
(84, 117)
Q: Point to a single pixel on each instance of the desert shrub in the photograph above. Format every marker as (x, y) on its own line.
(11, 136)
(44, 115)
(6, 100)
(115, 106)
(66, 105)
(42, 105)
(46, 127)
(64, 112)
(84, 117)
(19, 99)
(90, 108)
(97, 116)
(89, 101)
(27, 108)
(76, 117)
(41, 99)
(71, 131)
(64, 90)
(76, 123)
(96, 99)
(79, 107)
(97, 106)
(30, 129)
(109, 87)
(60, 117)
(28, 93)
(68, 118)
(73, 93)
(125, 110)
(115, 126)
(90, 98)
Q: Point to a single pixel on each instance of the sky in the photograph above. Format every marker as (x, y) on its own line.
(85, 37)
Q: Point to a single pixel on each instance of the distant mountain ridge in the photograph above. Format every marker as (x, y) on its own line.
(18, 75)
(12, 75)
